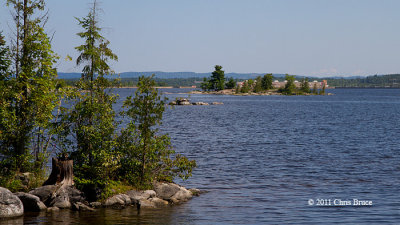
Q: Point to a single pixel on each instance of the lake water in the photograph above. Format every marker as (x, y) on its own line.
(271, 159)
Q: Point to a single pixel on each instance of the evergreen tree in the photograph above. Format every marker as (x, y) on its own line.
(91, 118)
(146, 156)
(205, 85)
(29, 92)
(290, 87)
(231, 84)
(258, 85)
(305, 86)
(267, 81)
(218, 79)
(245, 87)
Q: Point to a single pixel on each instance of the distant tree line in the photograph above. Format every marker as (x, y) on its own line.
(392, 81)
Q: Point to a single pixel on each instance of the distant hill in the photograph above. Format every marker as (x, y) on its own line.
(169, 75)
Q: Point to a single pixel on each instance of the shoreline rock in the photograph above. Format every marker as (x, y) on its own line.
(185, 101)
(10, 204)
(52, 198)
(31, 202)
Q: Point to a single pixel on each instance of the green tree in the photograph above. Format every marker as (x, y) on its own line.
(91, 119)
(258, 85)
(217, 79)
(245, 87)
(290, 87)
(29, 92)
(231, 84)
(305, 86)
(315, 89)
(146, 156)
(206, 85)
(267, 81)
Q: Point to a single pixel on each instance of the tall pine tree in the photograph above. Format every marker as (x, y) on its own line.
(91, 119)
(29, 92)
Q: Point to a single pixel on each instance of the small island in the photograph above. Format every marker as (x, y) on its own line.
(266, 85)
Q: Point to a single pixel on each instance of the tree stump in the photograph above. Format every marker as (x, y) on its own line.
(61, 173)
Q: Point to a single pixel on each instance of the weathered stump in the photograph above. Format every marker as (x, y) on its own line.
(61, 172)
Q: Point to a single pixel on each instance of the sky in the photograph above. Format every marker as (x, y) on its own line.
(301, 37)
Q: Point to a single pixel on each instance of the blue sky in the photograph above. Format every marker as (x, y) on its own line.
(304, 37)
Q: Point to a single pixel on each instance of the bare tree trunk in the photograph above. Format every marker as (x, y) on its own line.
(61, 173)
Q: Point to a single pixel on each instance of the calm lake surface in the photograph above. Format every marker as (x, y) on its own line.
(262, 158)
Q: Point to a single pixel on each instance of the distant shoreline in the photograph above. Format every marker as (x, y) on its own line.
(154, 87)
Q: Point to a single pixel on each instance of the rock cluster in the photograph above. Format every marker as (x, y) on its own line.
(163, 194)
(185, 101)
(55, 197)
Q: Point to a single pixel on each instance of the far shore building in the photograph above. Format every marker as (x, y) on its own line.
(281, 84)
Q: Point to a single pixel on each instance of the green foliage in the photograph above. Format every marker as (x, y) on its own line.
(88, 125)
(217, 79)
(29, 94)
(305, 86)
(290, 87)
(315, 89)
(231, 84)
(258, 85)
(206, 85)
(12, 183)
(146, 157)
(245, 87)
(266, 82)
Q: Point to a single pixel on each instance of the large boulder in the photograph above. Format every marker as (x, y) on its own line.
(10, 204)
(182, 195)
(158, 202)
(74, 194)
(166, 190)
(152, 203)
(182, 101)
(45, 193)
(62, 199)
(119, 200)
(136, 196)
(59, 196)
(31, 202)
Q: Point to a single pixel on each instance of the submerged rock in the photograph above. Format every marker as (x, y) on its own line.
(195, 191)
(53, 209)
(217, 103)
(10, 204)
(95, 205)
(200, 103)
(79, 206)
(31, 202)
